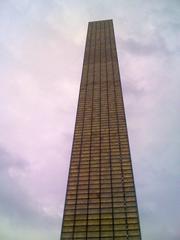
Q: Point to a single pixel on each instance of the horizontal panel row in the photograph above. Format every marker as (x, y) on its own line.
(76, 170)
(126, 199)
(115, 180)
(103, 233)
(120, 206)
(109, 221)
(104, 238)
(98, 190)
(115, 187)
(105, 165)
(114, 215)
(102, 210)
(79, 203)
(74, 195)
(101, 227)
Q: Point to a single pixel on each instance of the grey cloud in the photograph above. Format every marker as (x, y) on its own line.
(155, 45)
(7, 160)
(140, 48)
(15, 202)
(130, 88)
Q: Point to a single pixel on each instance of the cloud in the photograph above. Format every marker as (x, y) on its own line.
(17, 231)
(139, 49)
(19, 211)
(15, 200)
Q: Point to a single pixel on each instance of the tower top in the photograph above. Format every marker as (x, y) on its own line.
(107, 20)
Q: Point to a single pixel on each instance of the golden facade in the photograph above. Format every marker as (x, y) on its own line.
(100, 198)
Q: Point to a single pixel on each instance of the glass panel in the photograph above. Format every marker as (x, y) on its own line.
(79, 234)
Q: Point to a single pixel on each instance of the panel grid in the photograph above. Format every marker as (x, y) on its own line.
(100, 198)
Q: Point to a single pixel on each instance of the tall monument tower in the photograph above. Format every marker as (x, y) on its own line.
(100, 199)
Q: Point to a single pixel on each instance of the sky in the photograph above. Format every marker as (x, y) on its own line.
(41, 48)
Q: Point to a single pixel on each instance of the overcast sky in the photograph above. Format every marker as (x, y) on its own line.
(41, 48)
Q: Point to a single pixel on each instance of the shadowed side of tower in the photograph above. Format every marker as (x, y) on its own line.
(100, 199)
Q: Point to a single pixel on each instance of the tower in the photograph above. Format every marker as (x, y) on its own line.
(100, 199)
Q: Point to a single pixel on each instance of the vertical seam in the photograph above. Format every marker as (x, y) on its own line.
(106, 35)
(92, 102)
(121, 96)
(84, 107)
(122, 171)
